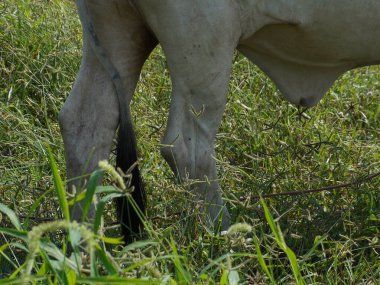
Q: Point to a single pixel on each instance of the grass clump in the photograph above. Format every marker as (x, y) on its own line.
(265, 145)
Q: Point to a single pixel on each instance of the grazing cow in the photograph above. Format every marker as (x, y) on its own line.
(302, 45)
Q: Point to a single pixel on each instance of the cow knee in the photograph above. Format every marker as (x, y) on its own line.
(68, 122)
(174, 151)
(189, 157)
(70, 115)
(65, 117)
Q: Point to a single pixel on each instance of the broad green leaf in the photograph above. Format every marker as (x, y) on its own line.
(11, 215)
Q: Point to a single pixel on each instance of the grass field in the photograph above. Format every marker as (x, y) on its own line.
(265, 145)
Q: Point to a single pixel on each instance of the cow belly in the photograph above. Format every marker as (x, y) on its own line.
(317, 46)
(300, 84)
(304, 61)
(304, 46)
(323, 32)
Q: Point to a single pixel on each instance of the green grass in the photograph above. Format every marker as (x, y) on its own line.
(265, 145)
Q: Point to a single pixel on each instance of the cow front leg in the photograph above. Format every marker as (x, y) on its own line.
(200, 85)
(199, 41)
(188, 145)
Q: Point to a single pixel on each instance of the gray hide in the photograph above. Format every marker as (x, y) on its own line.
(302, 45)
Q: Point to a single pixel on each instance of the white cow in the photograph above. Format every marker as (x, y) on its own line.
(302, 45)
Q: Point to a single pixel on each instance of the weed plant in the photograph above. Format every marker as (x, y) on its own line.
(265, 145)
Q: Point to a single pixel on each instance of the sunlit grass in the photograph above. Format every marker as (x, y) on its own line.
(265, 145)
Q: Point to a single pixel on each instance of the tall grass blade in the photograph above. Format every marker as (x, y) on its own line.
(100, 209)
(35, 205)
(50, 265)
(14, 281)
(224, 278)
(50, 249)
(137, 264)
(115, 281)
(183, 276)
(262, 263)
(282, 244)
(15, 233)
(112, 240)
(93, 265)
(71, 277)
(106, 261)
(59, 188)
(139, 244)
(91, 187)
(4, 256)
